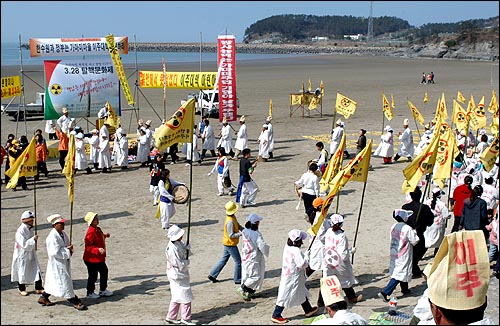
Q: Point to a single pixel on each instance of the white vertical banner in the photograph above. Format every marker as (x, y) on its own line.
(226, 63)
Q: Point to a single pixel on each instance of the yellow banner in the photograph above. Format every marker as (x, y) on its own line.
(271, 107)
(117, 62)
(333, 167)
(345, 105)
(461, 98)
(25, 165)
(198, 80)
(313, 230)
(492, 108)
(11, 86)
(477, 117)
(113, 120)
(386, 107)
(416, 113)
(446, 151)
(489, 156)
(178, 129)
(295, 99)
(459, 117)
(69, 168)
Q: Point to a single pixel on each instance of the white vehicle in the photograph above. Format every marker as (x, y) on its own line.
(203, 100)
(20, 112)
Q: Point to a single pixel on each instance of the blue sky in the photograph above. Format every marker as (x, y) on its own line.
(183, 21)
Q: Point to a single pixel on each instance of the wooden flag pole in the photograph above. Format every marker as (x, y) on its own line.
(190, 183)
(359, 218)
(71, 223)
(34, 208)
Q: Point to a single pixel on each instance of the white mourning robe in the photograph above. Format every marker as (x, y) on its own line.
(406, 148)
(242, 138)
(80, 155)
(403, 238)
(337, 260)
(292, 289)
(253, 262)
(386, 146)
(264, 147)
(25, 267)
(58, 280)
(178, 272)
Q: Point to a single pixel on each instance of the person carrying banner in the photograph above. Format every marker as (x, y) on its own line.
(336, 136)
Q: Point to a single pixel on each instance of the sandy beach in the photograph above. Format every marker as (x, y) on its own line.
(136, 258)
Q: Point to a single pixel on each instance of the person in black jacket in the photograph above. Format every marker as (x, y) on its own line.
(475, 213)
(421, 218)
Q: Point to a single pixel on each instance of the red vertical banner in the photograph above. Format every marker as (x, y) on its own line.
(226, 61)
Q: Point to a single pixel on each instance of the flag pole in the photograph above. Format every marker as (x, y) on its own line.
(341, 161)
(359, 218)
(190, 180)
(71, 223)
(34, 208)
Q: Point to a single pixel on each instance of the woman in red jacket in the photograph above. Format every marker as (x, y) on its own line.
(94, 257)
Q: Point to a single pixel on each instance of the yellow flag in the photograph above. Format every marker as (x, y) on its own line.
(470, 106)
(117, 62)
(446, 152)
(69, 168)
(322, 87)
(386, 107)
(459, 117)
(392, 102)
(333, 167)
(313, 230)
(494, 123)
(426, 98)
(442, 107)
(461, 98)
(24, 165)
(477, 119)
(113, 120)
(493, 107)
(271, 107)
(178, 129)
(416, 114)
(357, 168)
(345, 105)
(313, 102)
(421, 165)
(296, 99)
(489, 156)
(309, 86)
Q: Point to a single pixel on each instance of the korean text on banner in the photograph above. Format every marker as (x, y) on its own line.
(11, 86)
(226, 61)
(446, 152)
(489, 156)
(24, 165)
(117, 61)
(333, 167)
(82, 86)
(196, 80)
(58, 47)
(178, 129)
(345, 105)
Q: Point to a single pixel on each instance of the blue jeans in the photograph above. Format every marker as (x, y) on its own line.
(392, 286)
(233, 252)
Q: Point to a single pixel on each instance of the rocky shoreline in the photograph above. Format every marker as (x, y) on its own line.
(485, 51)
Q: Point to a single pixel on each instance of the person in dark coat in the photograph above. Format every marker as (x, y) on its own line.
(421, 218)
(475, 213)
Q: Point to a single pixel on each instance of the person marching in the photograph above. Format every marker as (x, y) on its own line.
(386, 147)
(336, 136)
(94, 149)
(292, 290)
(254, 252)
(94, 257)
(222, 168)
(230, 240)
(247, 188)
(177, 254)
(264, 144)
(270, 130)
(208, 139)
(25, 267)
(309, 181)
(406, 148)
(241, 138)
(167, 209)
(226, 138)
(155, 169)
(434, 234)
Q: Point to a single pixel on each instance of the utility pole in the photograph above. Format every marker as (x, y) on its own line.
(369, 34)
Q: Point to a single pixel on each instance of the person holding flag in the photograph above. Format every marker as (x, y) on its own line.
(15, 151)
(336, 136)
(407, 148)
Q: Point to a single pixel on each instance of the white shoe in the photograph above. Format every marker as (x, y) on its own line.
(187, 322)
(220, 194)
(172, 321)
(187, 164)
(106, 293)
(93, 295)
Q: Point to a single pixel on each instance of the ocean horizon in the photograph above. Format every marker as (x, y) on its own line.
(10, 56)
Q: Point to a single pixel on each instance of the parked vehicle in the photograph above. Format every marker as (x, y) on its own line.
(20, 112)
(202, 105)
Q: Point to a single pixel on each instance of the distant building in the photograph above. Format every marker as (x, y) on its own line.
(356, 37)
(319, 38)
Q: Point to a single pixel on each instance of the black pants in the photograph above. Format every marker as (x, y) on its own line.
(38, 285)
(456, 224)
(308, 201)
(62, 158)
(278, 310)
(419, 251)
(93, 269)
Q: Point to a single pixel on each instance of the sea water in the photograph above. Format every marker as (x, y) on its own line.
(12, 57)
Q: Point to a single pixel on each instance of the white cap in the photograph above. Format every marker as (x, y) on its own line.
(27, 214)
(406, 122)
(254, 218)
(79, 135)
(296, 235)
(337, 218)
(404, 214)
(175, 232)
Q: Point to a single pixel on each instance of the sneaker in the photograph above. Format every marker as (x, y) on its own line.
(44, 301)
(23, 293)
(407, 292)
(312, 312)
(243, 294)
(106, 293)
(250, 203)
(93, 295)
(187, 322)
(220, 194)
(359, 298)
(187, 164)
(80, 306)
(232, 193)
(279, 320)
(213, 279)
(383, 296)
(172, 321)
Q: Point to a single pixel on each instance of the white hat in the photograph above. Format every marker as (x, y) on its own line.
(338, 122)
(55, 218)
(342, 124)
(404, 214)
(406, 122)
(265, 126)
(436, 190)
(123, 131)
(337, 218)
(296, 235)
(224, 120)
(94, 131)
(175, 232)
(254, 218)
(27, 214)
(388, 128)
(269, 118)
(242, 119)
(89, 217)
(482, 132)
(64, 110)
(331, 290)
(79, 135)
(460, 273)
(148, 123)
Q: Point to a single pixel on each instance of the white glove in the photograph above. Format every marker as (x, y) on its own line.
(353, 250)
(209, 174)
(188, 246)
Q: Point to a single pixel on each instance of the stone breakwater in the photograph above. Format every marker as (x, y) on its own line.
(486, 51)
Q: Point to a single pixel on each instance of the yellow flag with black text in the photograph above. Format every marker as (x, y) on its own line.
(459, 116)
(113, 120)
(415, 113)
(178, 128)
(421, 165)
(477, 118)
(345, 105)
(426, 98)
(333, 167)
(493, 107)
(446, 152)
(24, 166)
(461, 98)
(69, 168)
(386, 107)
(313, 230)
(489, 155)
